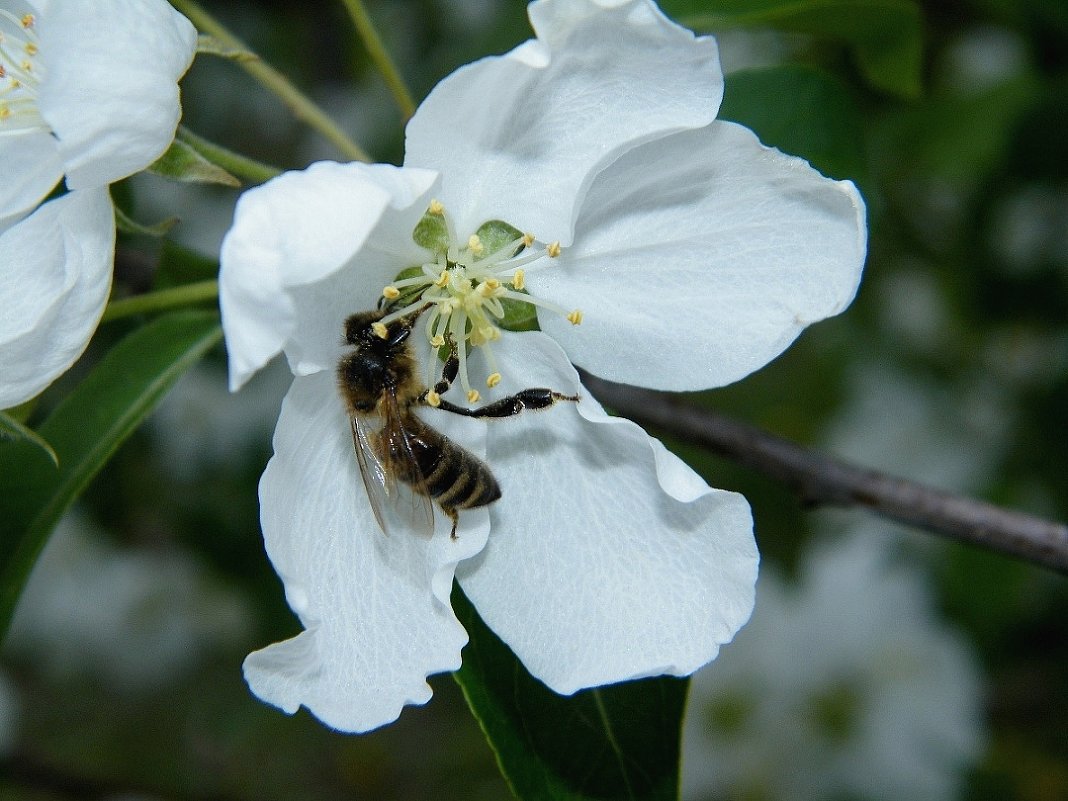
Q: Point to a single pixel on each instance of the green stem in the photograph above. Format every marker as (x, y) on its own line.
(185, 295)
(299, 103)
(242, 166)
(380, 56)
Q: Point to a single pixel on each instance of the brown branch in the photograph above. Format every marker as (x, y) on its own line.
(822, 480)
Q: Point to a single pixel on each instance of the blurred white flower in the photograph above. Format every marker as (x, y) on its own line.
(695, 254)
(89, 94)
(136, 618)
(845, 685)
(909, 427)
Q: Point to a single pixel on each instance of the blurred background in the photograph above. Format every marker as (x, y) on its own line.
(881, 663)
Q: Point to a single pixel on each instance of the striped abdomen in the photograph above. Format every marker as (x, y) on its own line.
(453, 477)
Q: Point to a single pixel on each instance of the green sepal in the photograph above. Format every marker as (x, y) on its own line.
(182, 162)
(495, 234)
(518, 316)
(432, 233)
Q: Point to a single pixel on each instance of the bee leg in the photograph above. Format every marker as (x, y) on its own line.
(450, 370)
(454, 516)
(534, 398)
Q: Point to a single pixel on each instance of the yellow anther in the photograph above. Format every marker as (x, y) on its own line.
(473, 396)
(3, 72)
(433, 398)
(31, 49)
(437, 342)
(380, 330)
(474, 244)
(553, 250)
(519, 279)
(493, 379)
(436, 207)
(491, 284)
(27, 66)
(528, 240)
(575, 318)
(391, 293)
(442, 280)
(27, 20)
(489, 333)
(5, 112)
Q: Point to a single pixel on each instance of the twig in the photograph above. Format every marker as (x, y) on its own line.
(822, 480)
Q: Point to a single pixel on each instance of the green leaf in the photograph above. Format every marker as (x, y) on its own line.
(886, 36)
(13, 429)
(182, 162)
(85, 429)
(618, 742)
(801, 111)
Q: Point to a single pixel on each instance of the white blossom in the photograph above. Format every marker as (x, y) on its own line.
(657, 245)
(89, 95)
(845, 685)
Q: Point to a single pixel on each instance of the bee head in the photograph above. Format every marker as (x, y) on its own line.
(360, 331)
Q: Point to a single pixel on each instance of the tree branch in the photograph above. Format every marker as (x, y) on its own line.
(822, 480)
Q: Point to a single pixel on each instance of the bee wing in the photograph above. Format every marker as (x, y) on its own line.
(384, 456)
(377, 480)
(411, 502)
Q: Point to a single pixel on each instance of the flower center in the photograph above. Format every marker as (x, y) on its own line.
(471, 289)
(20, 75)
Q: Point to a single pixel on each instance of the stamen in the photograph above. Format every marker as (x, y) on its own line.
(380, 329)
(474, 244)
(27, 20)
(465, 292)
(403, 312)
(433, 398)
(502, 254)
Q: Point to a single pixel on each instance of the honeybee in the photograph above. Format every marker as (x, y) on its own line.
(379, 385)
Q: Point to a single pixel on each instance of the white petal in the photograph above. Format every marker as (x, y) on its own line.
(519, 137)
(374, 627)
(55, 281)
(700, 257)
(110, 91)
(288, 246)
(31, 166)
(608, 559)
